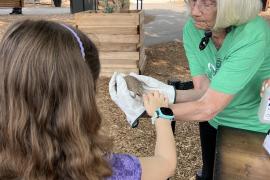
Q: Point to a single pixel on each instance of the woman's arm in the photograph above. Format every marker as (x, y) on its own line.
(200, 83)
(204, 109)
(163, 164)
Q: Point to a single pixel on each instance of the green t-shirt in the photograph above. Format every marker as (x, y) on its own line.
(237, 68)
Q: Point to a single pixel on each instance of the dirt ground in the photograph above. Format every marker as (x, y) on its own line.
(164, 61)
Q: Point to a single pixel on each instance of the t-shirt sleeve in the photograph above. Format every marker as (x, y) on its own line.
(191, 47)
(125, 166)
(242, 63)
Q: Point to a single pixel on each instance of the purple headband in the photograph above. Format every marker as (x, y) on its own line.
(77, 38)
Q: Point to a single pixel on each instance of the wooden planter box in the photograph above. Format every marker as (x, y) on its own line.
(119, 38)
(11, 3)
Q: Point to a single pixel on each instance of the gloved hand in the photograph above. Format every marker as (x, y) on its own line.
(151, 84)
(132, 107)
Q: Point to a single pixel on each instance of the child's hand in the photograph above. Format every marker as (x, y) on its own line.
(265, 85)
(153, 100)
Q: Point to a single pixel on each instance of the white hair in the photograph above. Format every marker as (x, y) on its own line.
(236, 12)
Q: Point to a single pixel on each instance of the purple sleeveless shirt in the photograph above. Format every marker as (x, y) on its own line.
(124, 167)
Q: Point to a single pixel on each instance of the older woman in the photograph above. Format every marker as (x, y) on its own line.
(226, 45)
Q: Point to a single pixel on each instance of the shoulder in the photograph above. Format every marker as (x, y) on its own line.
(255, 33)
(256, 28)
(258, 22)
(125, 166)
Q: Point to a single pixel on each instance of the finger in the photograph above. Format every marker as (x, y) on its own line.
(150, 93)
(264, 88)
(147, 93)
(262, 91)
(266, 85)
(161, 96)
(145, 99)
(166, 101)
(156, 94)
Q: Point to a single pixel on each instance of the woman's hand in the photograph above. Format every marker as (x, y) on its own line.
(265, 84)
(153, 100)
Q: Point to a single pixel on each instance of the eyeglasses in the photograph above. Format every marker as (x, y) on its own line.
(203, 5)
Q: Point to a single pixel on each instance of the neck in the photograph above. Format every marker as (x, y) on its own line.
(218, 37)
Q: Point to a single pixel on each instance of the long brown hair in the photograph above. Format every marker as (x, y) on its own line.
(49, 123)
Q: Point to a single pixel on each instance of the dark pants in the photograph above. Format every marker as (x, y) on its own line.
(17, 9)
(208, 145)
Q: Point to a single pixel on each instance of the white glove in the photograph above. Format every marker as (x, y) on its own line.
(132, 107)
(151, 84)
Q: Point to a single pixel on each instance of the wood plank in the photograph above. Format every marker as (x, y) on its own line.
(107, 19)
(117, 47)
(108, 38)
(119, 61)
(109, 72)
(119, 55)
(240, 155)
(118, 30)
(119, 66)
(11, 3)
(247, 167)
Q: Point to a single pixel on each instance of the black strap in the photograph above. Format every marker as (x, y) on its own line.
(205, 40)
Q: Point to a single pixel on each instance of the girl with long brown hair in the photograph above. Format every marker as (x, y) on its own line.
(49, 121)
